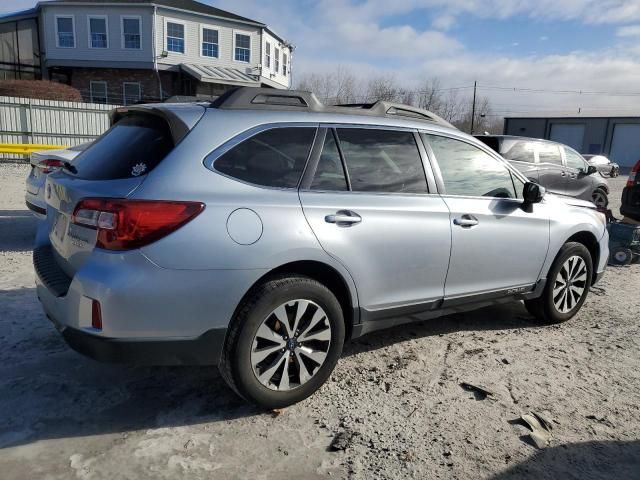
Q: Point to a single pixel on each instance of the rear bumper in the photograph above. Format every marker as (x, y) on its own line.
(203, 350)
(150, 315)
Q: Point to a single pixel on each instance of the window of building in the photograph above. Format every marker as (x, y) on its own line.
(209, 42)
(277, 60)
(273, 158)
(329, 172)
(98, 36)
(382, 160)
(468, 171)
(98, 91)
(65, 32)
(549, 153)
(175, 37)
(267, 56)
(131, 92)
(242, 48)
(284, 64)
(131, 33)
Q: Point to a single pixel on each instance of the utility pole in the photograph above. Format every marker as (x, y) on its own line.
(473, 108)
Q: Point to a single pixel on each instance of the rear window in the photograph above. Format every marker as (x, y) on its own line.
(273, 158)
(132, 147)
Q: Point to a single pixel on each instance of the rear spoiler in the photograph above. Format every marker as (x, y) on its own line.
(180, 118)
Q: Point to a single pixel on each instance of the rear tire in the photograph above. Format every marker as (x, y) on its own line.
(275, 364)
(600, 198)
(567, 287)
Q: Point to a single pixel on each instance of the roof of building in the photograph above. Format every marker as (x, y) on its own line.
(190, 5)
(211, 74)
(585, 113)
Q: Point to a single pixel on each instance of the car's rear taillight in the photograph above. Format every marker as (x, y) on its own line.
(49, 165)
(96, 315)
(127, 224)
(634, 176)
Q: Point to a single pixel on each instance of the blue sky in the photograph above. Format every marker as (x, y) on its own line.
(588, 45)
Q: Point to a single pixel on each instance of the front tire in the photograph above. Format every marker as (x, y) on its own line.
(283, 342)
(568, 284)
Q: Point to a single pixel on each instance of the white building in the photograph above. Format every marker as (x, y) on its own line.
(124, 51)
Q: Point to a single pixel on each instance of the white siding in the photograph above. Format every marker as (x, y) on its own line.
(270, 73)
(115, 52)
(192, 43)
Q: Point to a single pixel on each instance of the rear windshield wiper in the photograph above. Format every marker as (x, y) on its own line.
(68, 166)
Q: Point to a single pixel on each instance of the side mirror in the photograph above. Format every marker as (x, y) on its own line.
(591, 170)
(533, 193)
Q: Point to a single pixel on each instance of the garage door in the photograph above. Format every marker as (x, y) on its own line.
(568, 133)
(625, 145)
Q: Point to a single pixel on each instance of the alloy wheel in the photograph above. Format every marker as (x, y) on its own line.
(570, 284)
(291, 345)
(599, 199)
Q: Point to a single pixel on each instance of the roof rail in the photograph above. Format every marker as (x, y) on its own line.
(252, 98)
(382, 107)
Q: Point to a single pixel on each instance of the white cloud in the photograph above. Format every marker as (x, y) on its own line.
(369, 40)
(628, 31)
(544, 38)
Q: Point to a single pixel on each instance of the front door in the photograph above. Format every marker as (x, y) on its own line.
(579, 184)
(371, 209)
(497, 245)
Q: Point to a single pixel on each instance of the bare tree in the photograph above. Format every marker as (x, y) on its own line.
(342, 86)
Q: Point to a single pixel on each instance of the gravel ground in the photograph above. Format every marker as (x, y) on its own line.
(394, 407)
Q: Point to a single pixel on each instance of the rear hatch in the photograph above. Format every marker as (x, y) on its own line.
(113, 167)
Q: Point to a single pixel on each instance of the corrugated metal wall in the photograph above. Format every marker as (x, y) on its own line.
(27, 120)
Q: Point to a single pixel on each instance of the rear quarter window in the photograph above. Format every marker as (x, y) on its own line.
(132, 147)
(273, 158)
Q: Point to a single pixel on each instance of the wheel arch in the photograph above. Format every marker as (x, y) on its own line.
(330, 277)
(590, 241)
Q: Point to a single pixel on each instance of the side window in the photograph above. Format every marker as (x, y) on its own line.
(574, 159)
(549, 153)
(467, 170)
(273, 158)
(518, 151)
(382, 161)
(330, 172)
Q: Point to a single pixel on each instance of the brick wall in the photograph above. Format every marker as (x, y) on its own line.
(81, 79)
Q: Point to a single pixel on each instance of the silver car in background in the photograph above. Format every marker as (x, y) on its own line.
(263, 230)
(605, 166)
(42, 164)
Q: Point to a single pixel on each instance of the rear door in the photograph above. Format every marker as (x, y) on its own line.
(113, 166)
(371, 207)
(552, 173)
(498, 247)
(579, 184)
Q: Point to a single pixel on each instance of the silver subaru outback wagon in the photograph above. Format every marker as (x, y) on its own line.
(263, 230)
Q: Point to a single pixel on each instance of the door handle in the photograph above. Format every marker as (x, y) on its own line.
(466, 221)
(343, 218)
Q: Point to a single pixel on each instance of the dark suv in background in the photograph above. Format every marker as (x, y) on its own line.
(558, 168)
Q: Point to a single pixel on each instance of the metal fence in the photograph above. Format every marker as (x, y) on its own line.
(28, 120)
